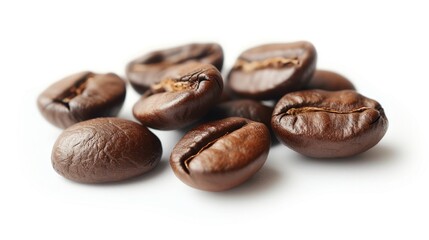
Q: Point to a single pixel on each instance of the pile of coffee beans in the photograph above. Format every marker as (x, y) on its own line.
(272, 90)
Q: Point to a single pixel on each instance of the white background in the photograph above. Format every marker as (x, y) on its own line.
(381, 194)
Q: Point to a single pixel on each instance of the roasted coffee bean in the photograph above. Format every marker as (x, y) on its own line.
(244, 108)
(330, 81)
(325, 124)
(82, 96)
(149, 69)
(183, 96)
(222, 154)
(105, 150)
(270, 71)
(225, 96)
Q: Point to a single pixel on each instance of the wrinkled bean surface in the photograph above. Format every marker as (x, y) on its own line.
(149, 68)
(269, 71)
(222, 154)
(325, 124)
(184, 95)
(82, 96)
(105, 150)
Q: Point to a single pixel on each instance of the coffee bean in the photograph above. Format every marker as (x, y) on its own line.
(148, 69)
(183, 96)
(244, 108)
(80, 97)
(270, 71)
(222, 154)
(330, 81)
(105, 150)
(225, 96)
(324, 124)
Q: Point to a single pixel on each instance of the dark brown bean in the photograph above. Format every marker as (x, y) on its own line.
(82, 96)
(244, 108)
(269, 71)
(105, 150)
(329, 81)
(324, 124)
(222, 154)
(184, 95)
(149, 69)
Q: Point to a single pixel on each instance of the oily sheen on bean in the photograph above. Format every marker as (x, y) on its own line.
(328, 124)
(149, 68)
(222, 154)
(269, 71)
(82, 96)
(184, 95)
(105, 150)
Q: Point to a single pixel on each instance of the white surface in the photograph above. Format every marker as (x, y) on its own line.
(381, 194)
